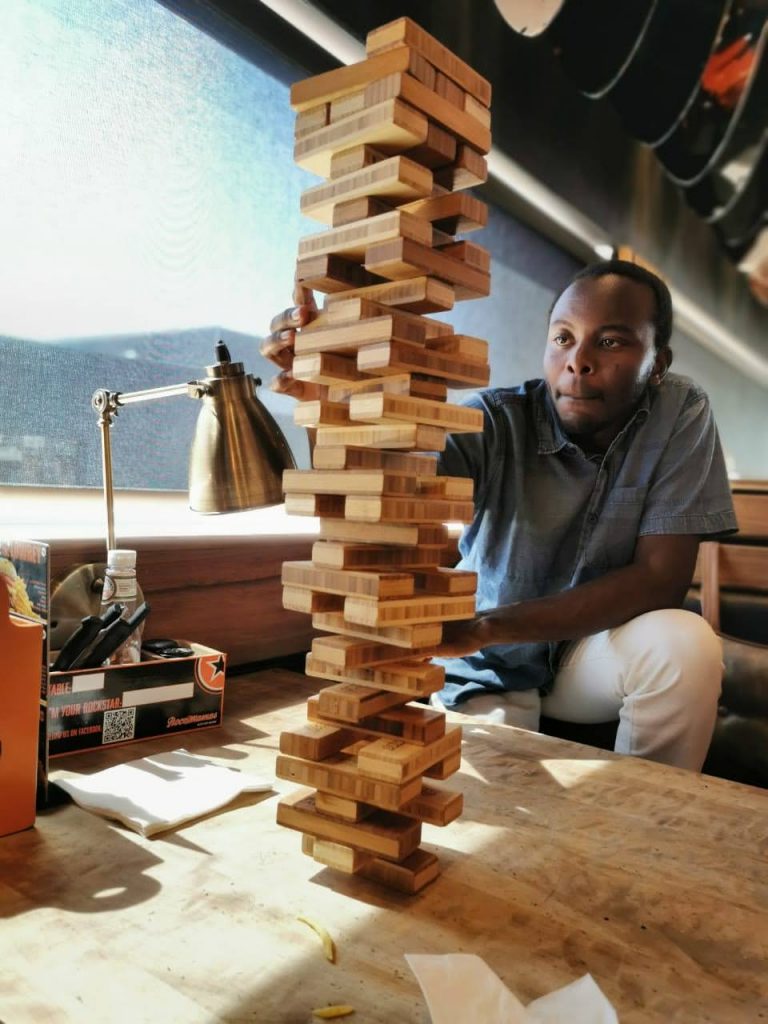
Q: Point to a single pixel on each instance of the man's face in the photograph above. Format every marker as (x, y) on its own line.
(600, 355)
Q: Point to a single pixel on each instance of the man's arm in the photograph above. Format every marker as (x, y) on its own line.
(658, 577)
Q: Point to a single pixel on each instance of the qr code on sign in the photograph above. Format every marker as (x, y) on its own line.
(119, 725)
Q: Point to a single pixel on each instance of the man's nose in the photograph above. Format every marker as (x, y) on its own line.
(580, 361)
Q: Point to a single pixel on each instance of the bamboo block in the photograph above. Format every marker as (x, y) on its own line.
(350, 702)
(382, 533)
(477, 110)
(334, 855)
(392, 127)
(342, 807)
(396, 761)
(325, 368)
(411, 678)
(329, 85)
(405, 384)
(434, 806)
(405, 436)
(314, 741)
(407, 510)
(403, 257)
(349, 103)
(354, 159)
(351, 210)
(437, 149)
(343, 310)
(471, 253)
(380, 407)
(396, 178)
(400, 357)
(311, 119)
(341, 581)
(347, 652)
(446, 581)
(352, 240)
(352, 336)
(463, 346)
(405, 32)
(400, 612)
(410, 876)
(334, 555)
(418, 294)
(422, 731)
(338, 775)
(355, 481)
(299, 599)
(457, 488)
(449, 116)
(320, 412)
(468, 170)
(453, 93)
(445, 768)
(421, 635)
(454, 212)
(327, 506)
(374, 458)
(330, 273)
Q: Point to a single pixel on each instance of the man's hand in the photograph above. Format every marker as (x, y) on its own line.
(279, 346)
(467, 636)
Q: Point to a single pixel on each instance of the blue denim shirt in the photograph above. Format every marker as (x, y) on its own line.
(548, 517)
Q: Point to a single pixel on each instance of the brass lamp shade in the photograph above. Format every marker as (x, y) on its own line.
(239, 452)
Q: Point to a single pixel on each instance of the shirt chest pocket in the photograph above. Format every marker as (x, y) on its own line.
(613, 541)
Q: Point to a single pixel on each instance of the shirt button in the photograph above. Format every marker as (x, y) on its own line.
(592, 518)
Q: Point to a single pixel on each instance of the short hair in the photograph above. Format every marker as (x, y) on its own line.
(663, 318)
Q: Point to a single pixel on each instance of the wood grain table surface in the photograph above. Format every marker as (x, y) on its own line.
(566, 860)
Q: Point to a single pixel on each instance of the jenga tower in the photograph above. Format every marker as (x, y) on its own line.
(399, 136)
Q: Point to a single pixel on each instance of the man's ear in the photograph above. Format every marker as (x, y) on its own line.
(661, 365)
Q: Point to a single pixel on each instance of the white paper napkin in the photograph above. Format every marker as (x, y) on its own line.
(460, 986)
(153, 794)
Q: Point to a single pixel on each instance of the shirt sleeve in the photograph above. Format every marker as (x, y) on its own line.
(690, 492)
(474, 455)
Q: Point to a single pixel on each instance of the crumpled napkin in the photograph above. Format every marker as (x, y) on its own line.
(460, 986)
(154, 794)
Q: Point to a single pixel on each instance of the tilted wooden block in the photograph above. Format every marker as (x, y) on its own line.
(314, 741)
(413, 636)
(351, 702)
(355, 481)
(454, 212)
(434, 806)
(328, 506)
(402, 257)
(325, 368)
(298, 599)
(329, 85)
(397, 761)
(410, 876)
(374, 458)
(408, 678)
(331, 273)
(383, 533)
(351, 336)
(345, 310)
(408, 611)
(380, 407)
(407, 510)
(408, 722)
(416, 294)
(395, 178)
(400, 357)
(406, 384)
(335, 555)
(405, 436)
(341, 581)
(352, 240)
(339, 775)
(334, 855)
(347, 652)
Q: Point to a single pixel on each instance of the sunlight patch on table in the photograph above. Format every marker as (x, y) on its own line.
(570, 772)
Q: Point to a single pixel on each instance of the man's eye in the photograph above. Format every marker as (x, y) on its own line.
(560, 339)
(610, 342)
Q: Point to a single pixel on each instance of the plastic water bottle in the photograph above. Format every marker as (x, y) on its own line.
(121, 587)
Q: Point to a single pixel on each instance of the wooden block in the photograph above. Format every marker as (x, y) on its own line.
(391, 127)
(422, 635)
(338, 775)
(321, 412)
(403, 257)
(405, 384)
(407, 510)
(452, 117)
(355, 481)
(397, 761)
(325, 368)
(350, 103)
(457, 488)
(405, 32)
(358, 209)
(408, 611)
(327, 506)
(331, 273)
(438, 149)
(446, 581)
(352, 240)
(410, 876)
(311, 119)
(339, 857)
(384, 833)
(299, 599)
(445, 768)
(454, 212)
(345, 310)
(418, 295)
(335, 555)
(409, 535)
(478, 111)
(342, 807)
(314, 741)
(374, 458)
(381, 407)
(351, 702)
(454, 94)
(462, 346)
(413, 725)
(470, 253)
(399, 357)
(405, 436)
(348, 652)
(408, 678)
(434, 806)
(396, 178)
(354, 159)
(349, 337)
(329, 85)
(468, 170)
(342, 581)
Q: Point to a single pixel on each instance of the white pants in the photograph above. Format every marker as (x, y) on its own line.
(660, 674)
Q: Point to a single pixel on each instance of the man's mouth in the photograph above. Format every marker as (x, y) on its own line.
(581, 396)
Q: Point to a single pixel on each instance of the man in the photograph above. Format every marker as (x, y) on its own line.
(593, 488)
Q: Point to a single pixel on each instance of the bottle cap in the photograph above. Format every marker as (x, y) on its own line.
(121, 559)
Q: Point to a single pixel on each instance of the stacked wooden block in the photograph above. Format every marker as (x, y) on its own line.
(400, 136)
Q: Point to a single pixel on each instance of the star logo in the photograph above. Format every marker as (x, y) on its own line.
(209, 671)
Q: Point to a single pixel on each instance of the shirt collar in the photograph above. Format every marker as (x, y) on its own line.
(550, 434)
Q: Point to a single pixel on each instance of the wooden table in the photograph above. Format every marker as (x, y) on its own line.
(566, 860)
